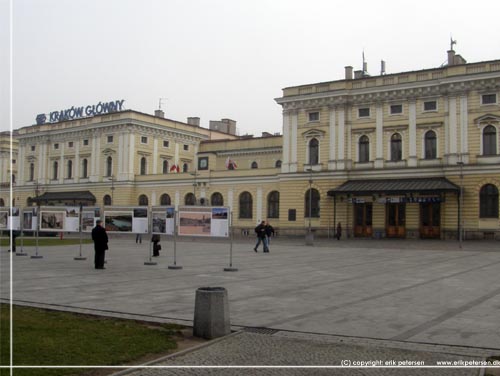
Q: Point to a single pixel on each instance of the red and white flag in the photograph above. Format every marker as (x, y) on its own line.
(230, 164)
(174, 168)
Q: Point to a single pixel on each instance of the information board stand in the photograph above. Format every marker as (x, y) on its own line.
(175, 266)
(230, 268)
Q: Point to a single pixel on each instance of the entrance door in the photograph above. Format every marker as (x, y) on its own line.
(363, 220)
(395, 220)
(430, 220)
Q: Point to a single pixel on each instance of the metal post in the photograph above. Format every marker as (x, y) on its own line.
(175, 266)
(230, 268)
(39, 219)
(80, 257)
(460, 205)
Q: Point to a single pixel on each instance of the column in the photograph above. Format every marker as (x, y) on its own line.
(285, 165)
(20, 164)
(153, 198)
(412, 136)
(230, 194)
(259, 204)
(155, 156)
(62, 166)
(453, 141)
(331, 147)
(131, 157)
(379, 136)
(77, 162)
(464, 136)
(122, 137)
(293, 142)
(341, 140)
(176, 154)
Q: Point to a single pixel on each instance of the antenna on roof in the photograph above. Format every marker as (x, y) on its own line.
(452, 42)
(160, 101)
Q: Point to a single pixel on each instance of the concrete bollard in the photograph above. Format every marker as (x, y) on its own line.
(211, 313)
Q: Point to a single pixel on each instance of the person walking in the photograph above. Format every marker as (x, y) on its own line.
(338, 233)
(156, 245)
(138, 238)
(260, 230)
(100, 238)
(269, 232)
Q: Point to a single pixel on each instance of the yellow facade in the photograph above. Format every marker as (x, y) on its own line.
(126, 157)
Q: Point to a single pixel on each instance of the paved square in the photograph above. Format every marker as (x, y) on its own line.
(416, 291)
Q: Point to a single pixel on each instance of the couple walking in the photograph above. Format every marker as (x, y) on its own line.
(264, 232)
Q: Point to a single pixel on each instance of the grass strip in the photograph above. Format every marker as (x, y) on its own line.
(44, 337)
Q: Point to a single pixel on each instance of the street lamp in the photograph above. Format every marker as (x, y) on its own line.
(461, 204)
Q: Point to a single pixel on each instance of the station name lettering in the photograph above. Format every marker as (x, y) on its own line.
(79, 112)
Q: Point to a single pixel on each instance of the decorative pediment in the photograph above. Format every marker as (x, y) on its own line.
(313, 133)
(487, 119)
(108, 151)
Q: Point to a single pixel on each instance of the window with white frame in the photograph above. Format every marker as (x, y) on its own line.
(490, 98)
(489, 140)
(396, 109)
(396, 147)
(364, 112)
(110, 139)
(166, 143)
(313, 151)
(364, 149)
(144, 140)
(430, 106)
(85, 142)
(430, 151)
(313, 116)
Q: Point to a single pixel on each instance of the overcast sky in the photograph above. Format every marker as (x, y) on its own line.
(219, 58)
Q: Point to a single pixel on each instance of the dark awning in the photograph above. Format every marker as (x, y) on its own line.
(66, 196)
(395, 186)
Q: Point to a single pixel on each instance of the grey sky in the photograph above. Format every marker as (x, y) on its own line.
(220, 58)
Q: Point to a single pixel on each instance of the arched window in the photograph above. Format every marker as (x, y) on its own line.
(489, 140)
(13, 179)
(190, 199)
(143, 200)
(216, 199)
(254, 165)
(143, 166)
(107, 200)
(185, 167)
(165, 199)
(273, 205)
(277, 164)
(165, 166)
(430, 145)
(396, 147)
(313, 152)
(2, 203)
(55, 169)
(109, 166)
(488, 201)
(311, 207)
(246, 204)
(69, 173)
(364, 149)
(32, 172)
(85, 172)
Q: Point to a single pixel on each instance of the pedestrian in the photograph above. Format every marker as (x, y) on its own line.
(155, 239)
(138, 238)
(100, 239)
(13, 234)
(269, 233)
(260, 230)
(338, 233)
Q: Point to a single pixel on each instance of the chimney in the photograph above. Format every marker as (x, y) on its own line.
(451, 57)
(160, 114)
(348, 72)
(382, 67)
(358, 74)
(194, 121)
(365, 67)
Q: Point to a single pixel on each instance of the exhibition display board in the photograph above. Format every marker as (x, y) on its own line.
(203, 221)
(126, 219)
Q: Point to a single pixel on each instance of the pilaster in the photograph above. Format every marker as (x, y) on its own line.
(412, 134)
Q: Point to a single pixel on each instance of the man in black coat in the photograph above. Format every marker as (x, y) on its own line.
(260, 230)
(100, 239)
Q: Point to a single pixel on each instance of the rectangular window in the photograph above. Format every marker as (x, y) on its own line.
(165, 143)
(313, 116)
(203, 163)
(364, 112)
(186, 147)
(489, 99)
(70, 144)
(292, 215)
(396, 109)
(56, 146)
(144, 140)
(33, 147)
(110, 139)
(430, 106)
(85, 142)
(13, 161)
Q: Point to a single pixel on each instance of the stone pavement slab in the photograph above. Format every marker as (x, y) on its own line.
(407, 291)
